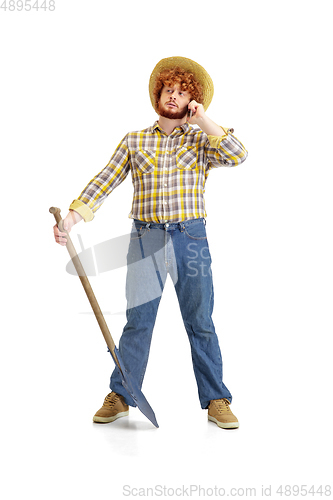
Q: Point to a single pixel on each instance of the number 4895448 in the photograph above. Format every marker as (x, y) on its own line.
(27, 5)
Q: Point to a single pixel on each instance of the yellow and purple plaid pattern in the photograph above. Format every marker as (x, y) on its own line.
(168, 172)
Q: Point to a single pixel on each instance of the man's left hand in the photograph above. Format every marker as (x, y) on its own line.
(198, 112)
(200, 118)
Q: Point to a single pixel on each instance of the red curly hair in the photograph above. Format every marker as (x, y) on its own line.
(177, 75)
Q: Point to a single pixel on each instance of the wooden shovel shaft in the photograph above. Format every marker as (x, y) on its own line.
(86, 285)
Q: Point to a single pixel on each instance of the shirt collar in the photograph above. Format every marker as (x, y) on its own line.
(182, 129)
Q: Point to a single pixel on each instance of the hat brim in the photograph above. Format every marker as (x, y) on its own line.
(199, 73)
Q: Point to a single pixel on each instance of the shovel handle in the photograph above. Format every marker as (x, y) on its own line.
(56, 212)
(86, 285)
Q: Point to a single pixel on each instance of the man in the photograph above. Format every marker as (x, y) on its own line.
(169, 164)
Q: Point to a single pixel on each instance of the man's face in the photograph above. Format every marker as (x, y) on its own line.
(173, 102)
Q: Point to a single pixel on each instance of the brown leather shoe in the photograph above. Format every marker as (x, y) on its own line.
(113, 407)
(220, 413)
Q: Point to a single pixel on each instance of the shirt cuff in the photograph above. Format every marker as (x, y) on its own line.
(215, 140)
(82, 209)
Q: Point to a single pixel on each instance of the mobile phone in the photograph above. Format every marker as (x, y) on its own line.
(189, 113)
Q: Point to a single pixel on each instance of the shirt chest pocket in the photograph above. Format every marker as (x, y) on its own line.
(186, 158)
(144, 161)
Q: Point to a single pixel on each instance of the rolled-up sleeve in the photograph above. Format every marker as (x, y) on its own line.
(225, 151)
(96, 191)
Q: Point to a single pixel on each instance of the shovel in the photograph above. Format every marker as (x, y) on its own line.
(128, 381)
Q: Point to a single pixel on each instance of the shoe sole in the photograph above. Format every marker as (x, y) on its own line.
(106, 420)
(224, 425)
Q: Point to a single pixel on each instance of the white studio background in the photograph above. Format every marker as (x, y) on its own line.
(74, 81)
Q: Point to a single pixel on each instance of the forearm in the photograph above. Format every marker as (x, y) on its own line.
(72, 218)
(209, 127)
(76, 217)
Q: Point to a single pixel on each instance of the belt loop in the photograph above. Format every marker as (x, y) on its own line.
(148, 226)
(204, 221)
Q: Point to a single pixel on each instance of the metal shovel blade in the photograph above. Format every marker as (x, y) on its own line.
(133, 390)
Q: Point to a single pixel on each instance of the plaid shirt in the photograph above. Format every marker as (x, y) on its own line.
(168, 172)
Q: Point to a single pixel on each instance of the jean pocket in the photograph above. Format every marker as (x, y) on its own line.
(196, 230)
(138, 232)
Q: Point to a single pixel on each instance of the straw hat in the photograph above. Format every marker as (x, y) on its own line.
(199, 73)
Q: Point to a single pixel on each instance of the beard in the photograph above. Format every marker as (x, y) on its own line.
(172, 115)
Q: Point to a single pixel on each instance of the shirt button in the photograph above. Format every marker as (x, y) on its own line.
(165, 185)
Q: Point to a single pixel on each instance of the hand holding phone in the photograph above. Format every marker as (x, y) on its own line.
(195, 112)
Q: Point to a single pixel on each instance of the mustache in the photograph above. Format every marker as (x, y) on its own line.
(172, 102)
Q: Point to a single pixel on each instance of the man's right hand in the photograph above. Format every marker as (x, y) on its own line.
(68, 222)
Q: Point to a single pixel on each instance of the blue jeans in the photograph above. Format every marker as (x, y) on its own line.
(180, 250)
